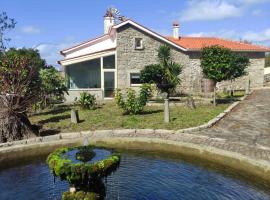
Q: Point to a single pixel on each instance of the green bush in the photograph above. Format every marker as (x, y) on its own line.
(79, 174)
(80, 195)
(133, 104)
(87, 101)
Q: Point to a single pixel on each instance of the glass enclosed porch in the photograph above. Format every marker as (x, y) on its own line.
(93, 74)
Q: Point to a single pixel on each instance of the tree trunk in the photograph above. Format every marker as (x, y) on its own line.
(14, 126)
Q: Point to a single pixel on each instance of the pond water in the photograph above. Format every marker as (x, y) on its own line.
(141, 176)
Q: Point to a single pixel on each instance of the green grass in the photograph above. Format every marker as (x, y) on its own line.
(109, 116)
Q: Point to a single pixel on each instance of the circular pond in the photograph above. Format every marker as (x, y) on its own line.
(147, 176)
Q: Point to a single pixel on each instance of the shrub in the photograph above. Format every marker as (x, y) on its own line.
(80, 195)
(87, 101)
(165, 74)
(133, 104)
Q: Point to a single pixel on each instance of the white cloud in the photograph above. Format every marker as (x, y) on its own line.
(50, 52)
(260, 37)
(216, 9)
(209, 10)
(30, 30)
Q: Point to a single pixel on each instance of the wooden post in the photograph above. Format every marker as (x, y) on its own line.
(248, 87)
(166, 111)
(74, 116)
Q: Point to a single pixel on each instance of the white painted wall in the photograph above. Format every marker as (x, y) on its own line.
(106, 43)
(267, 70)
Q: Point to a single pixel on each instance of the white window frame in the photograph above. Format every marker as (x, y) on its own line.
(134, 85)
(141, 42)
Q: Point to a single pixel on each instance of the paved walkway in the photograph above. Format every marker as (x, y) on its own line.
(246, 129)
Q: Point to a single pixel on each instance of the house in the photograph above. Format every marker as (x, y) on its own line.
(114, 60)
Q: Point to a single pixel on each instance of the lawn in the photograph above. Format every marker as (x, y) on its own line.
(109, 116)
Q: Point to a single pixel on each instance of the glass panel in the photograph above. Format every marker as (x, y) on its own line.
(109, 84)
(135, 78)
(109, 62)
(84, 75)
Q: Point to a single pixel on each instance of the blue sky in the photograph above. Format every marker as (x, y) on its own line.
(51, 25)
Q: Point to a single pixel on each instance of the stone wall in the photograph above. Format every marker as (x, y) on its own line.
(255, 73)
(73, 94)
(130, 60)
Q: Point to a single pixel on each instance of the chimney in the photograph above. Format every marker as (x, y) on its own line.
(108, 21)
(176, 30)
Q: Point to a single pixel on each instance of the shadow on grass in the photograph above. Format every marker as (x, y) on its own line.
(227, 100)
(48, 132)
(149, 112)
(54, 119)
(54, 111)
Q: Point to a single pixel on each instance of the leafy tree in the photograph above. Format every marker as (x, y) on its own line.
(267, 60)
(239, 64)
(30, 53)
(165, 74)
(219, 63)
(19, 90)
(53, 86)
(6, 24)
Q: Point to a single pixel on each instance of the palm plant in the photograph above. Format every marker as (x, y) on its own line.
(165, 74)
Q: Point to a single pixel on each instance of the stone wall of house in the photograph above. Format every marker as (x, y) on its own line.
(255, 73)
(131, 60)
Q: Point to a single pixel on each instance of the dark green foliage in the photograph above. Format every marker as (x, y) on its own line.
(80, 195)
(85, 154)
(80, 174)
(52, 88)
(219, 63)
(133, 104)
(216, 63)
(165, 74)
(32, 54)
(6, 24)
(87, 101)
(239, 64)
(267, 60)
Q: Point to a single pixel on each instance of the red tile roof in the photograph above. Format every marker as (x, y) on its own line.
(197, 43)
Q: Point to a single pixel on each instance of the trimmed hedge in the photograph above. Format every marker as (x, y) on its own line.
(80, 173)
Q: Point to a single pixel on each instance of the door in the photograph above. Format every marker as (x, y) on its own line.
(109, 84)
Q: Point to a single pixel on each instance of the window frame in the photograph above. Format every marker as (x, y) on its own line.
(134, 84)
(141, 43)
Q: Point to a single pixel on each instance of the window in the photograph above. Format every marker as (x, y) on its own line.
(138, 43)
(135, 79)
(84, 75)
(109, 62)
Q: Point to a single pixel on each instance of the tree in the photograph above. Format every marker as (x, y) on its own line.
(239, 64)
(30, 53)
(219, 64)
(165, 74)
(19, 90)
(6, 24)
(53, 86)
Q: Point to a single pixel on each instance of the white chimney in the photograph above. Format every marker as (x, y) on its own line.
(108, 21)
(176, 30)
